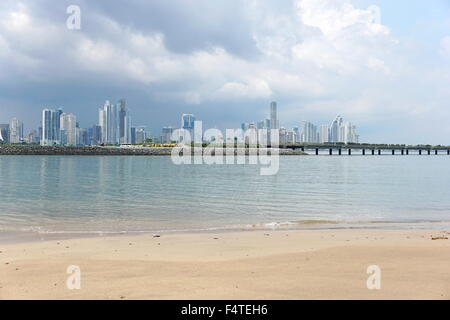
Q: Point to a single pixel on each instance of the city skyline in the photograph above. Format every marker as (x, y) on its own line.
(317, 58)
(114, 127)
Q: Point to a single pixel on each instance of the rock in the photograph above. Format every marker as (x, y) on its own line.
(6, 149)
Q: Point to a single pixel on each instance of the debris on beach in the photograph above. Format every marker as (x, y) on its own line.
(156, 236)
(439, 238)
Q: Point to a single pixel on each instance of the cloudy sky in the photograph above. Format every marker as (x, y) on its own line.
(386, 70)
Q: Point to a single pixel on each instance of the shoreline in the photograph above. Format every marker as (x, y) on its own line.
(8, 237)
(277, 264)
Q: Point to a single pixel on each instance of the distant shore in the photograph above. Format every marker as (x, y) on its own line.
(37, 150)
(284, 264)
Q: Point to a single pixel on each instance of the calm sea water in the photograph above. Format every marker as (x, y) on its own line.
(51, 194)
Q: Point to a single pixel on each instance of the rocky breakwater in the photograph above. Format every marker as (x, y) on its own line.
(104, 151)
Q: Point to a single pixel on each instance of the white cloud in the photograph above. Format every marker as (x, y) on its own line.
(325, 55)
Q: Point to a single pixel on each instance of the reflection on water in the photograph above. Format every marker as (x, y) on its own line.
(69, 193)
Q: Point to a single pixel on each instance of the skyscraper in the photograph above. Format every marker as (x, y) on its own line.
(69, 127)
(166, 136)
(16, 131)
(188, 123)
(273, 116)
(141, 134)
(51, 134)
(124, 123)
(335, 130)
(109, 121)
(4, 132)
(95, 135)
(324, 134)
(309, 132)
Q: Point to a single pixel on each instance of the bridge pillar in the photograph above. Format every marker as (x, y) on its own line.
(331, 152)
(303, 149)
(436, 152)
(403, 152)
(393, 152)
(429, 151)
(317, 151)
(420, 152)
(407, 152)
(379, 152)
(373, 152)
(349, 152)
(448, 152)
(340, 151)
(364, 152)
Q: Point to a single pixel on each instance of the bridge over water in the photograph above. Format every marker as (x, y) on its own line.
(368, 149)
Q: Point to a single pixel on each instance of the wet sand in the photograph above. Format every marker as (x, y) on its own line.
(293, 264)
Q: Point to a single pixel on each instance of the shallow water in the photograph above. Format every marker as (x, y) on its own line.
(82, 195)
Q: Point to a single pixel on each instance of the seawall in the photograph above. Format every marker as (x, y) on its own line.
(104, 151)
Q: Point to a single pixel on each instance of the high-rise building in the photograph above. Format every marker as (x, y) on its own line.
(82, 136)
(51, 134)
(33, 137)
(298, 134)
(16, 131)
(166, 136)
(187, 121)
(273, 116)
(283, 135)
(324, 134)
(309, 132)
(141, 134)
(4, 132)
(348, 133)
(188, 124)
(335, 130)
(109, 121)
(291, 137)
(69, 127)
(133, 135)
(95, 135)
(124, 123)
(341, 131)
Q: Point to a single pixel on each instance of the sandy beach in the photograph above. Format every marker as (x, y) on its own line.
(283, 264)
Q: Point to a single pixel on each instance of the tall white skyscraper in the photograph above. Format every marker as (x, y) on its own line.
(309, 132)
(324, 133)
(51, 121)
(109, 122)
(69, 127)
(16, 131)
(341, 131)
(335, 130)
